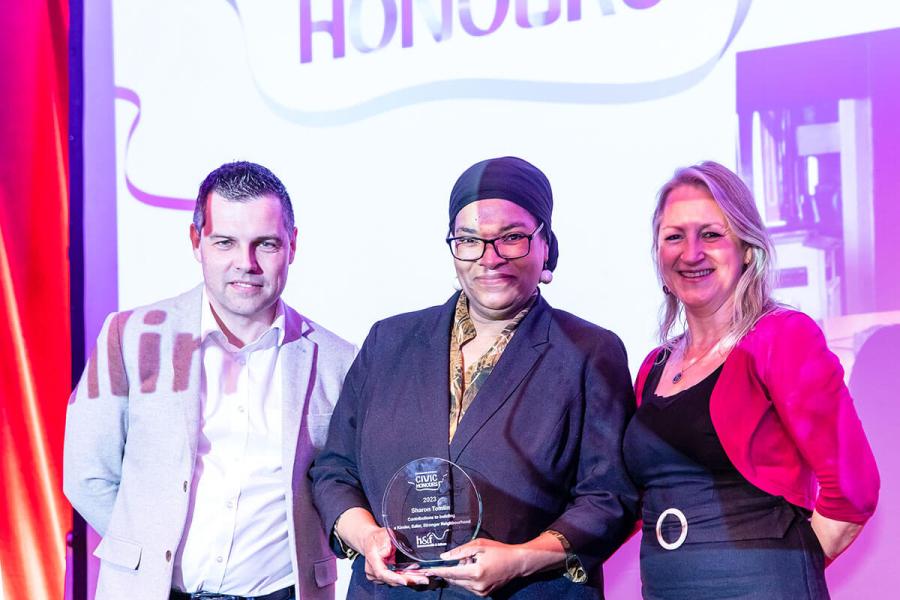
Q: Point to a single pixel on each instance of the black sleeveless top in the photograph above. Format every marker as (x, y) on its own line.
(673, 454)
(740, 542)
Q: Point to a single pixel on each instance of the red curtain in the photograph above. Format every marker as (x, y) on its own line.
(35, 371)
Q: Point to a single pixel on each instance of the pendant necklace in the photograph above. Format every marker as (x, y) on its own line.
(680, 374)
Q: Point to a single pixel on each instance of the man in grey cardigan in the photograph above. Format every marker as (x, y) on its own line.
(190, 433)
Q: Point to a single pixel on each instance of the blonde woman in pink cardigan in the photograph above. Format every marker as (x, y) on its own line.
(742, 417)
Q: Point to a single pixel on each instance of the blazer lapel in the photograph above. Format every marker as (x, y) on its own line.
(188, 320)
(432, 404)
(298, 376)
(517, 360)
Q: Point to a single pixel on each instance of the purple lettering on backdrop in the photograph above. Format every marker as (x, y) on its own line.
(118, 378)
(155, 317)
(468, 25)
(641, 4)
(182, 356)
(440, 27)
(573, 9)
(334, 27)
(539, 19)
(148, 361)
(575, 92)
(93, 378)
(390, 25)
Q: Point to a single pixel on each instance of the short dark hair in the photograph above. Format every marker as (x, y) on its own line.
(239, 182)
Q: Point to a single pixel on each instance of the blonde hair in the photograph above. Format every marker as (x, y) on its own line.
(753, 297)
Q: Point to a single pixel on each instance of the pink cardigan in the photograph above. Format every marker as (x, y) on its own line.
(786, 419)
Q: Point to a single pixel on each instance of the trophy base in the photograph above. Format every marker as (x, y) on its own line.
(422, 564)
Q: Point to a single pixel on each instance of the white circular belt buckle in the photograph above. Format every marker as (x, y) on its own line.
(684, 527)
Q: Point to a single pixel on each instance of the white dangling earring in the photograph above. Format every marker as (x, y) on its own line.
(546, 276)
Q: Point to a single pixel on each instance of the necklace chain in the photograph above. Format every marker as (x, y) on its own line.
(680, 374)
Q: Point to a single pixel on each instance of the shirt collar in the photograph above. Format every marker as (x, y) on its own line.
(209, 325)
(464, 329)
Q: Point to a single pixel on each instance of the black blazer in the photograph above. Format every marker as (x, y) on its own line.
(542, 440)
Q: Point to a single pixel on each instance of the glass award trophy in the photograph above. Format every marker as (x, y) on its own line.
(430, 506)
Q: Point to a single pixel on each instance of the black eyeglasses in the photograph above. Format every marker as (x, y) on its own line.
(507, 247)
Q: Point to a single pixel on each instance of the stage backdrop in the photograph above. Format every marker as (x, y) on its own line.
(35, 368)
(369, 110)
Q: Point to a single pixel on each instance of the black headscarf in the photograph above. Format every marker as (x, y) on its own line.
(513, 179)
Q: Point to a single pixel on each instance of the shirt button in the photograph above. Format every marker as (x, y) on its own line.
(168, 555)
(229, 504)
(240, 409)
(219, 559)
(184, 486)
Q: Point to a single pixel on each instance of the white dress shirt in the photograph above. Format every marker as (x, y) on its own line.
(236, 536)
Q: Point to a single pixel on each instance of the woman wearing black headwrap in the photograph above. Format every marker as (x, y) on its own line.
(530, 401)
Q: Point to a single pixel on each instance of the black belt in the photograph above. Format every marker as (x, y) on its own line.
(282, 594)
